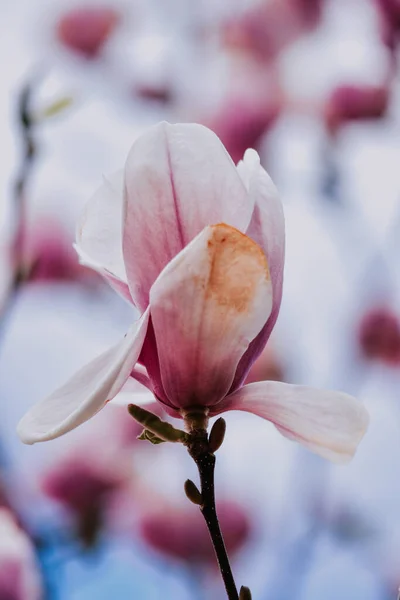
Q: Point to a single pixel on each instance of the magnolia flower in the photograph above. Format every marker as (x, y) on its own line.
(19, 576)
(197, 245)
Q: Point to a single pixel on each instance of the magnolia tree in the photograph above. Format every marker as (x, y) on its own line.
(196, 244)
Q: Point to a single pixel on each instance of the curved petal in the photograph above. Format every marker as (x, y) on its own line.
(99, 234)
(206, 307)
(267, 228)
(178, 179)
(330, 424)
(87, 392)
(140, 375)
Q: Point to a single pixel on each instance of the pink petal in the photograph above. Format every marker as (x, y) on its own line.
(267, 228)
(330, 424)
(99, 234)
(139, 373)
(178, 179)
(207, 306)
(87, 392)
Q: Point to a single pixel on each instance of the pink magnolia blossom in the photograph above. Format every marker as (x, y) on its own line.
(86, 489)
(354, 103)
(269, 27)
(197, 245)
(85, 30)
(19, 576)
(310, 11)
(87, 477)
(180, 533)
(48, 253)
(242, 123)
(79, 482)
(389, 11)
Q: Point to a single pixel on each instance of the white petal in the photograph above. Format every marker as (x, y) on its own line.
(87, 392)
(267, 228)
(330, 424)
(99, 233)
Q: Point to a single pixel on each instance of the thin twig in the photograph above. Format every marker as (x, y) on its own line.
(199, 450)
(29, 151)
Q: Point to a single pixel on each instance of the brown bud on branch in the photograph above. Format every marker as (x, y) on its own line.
(193, 493)
(245, 593)
(217, 434)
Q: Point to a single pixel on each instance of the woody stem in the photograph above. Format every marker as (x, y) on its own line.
(205, 460)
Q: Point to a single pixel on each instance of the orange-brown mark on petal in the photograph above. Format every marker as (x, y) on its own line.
(237, 266)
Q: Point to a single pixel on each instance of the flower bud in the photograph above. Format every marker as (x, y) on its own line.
(245, 593)
(192, 492)
(151, 422)
(217, 434)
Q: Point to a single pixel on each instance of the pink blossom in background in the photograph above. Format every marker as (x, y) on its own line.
(85, 30)
(85, 492)
(267, 28)
(87, 476)
(49, 254)
(379, 336)
(241, 123)
(200, 254)
(251, 104)
(180, 533)
(355, 102)
(310, 11)
(80, 485)
(19, 575)
(389, 11)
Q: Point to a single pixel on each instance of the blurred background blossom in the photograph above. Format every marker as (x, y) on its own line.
(313, 86)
